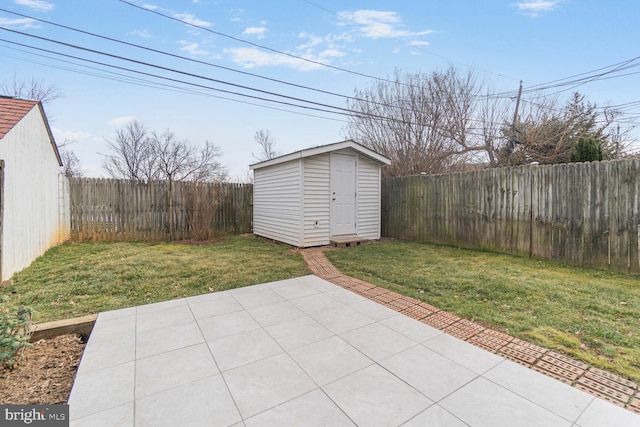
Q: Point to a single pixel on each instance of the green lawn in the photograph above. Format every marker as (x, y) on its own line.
(76, 279)
(588, 314)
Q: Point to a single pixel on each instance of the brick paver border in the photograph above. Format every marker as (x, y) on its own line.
(603, 384)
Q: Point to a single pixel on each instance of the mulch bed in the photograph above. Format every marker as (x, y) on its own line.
(46, 373)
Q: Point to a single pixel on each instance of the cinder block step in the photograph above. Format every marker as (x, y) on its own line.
(346, 241)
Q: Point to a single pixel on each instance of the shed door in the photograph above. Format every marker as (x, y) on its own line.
(343, 194)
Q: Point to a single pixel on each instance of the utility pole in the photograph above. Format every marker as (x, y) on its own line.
(513, 141)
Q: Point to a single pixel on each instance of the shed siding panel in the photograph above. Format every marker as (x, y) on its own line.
(31, 194)
(368, 199)
(316, 200)
(276, 202)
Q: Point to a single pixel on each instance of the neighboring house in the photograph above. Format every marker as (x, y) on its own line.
(32, 190)
(313, 196)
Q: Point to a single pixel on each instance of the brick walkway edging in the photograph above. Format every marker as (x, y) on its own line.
(597, 382)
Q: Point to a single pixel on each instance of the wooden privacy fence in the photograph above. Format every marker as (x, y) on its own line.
(585, 214)
(113, 210)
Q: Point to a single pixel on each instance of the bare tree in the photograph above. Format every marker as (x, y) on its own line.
(70, 164)
(178, 160)
(32, 89)
(267, 144)
(420, 121)
(132, 156)
(493, 113)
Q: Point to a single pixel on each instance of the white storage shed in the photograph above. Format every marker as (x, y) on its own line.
(311, 197)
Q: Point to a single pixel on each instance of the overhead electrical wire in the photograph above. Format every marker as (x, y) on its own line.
(237, 39)
(597, 77)
(173, 70)
(339, 110)
(123, 78)
(539, 87)
(589, 76)
(148, 83)
(165, 53)
(545, 86)
(267, 48)
(175, 80)
(185, 58)
(582, 74)
(368, 101)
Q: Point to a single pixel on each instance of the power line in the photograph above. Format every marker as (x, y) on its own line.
(191, 59)
(539, 86)
(151, 84)
(147, 83)
(621, 66)
(340, 110)
(237, 39)
(174, 55)
(589, 77)
(170, 70)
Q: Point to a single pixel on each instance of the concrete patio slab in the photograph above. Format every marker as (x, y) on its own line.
(306, 352)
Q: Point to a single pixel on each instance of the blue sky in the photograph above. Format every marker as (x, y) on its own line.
(502, 42)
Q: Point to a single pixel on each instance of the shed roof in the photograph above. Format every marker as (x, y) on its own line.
(321, 149)
(12, 110)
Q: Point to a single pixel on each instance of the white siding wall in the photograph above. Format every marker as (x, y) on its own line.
(368, 198)
(276, 202)
(316, 200)
(31, 223)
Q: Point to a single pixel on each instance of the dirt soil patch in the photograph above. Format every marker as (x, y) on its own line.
(46, 373)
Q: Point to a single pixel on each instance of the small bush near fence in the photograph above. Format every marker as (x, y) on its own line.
(125, 210)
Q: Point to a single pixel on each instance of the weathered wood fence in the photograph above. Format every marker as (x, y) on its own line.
(113, 210)
(585, 214)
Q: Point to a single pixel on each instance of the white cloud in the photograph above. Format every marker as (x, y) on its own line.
(418, 43)
(313, 40)
(321, 50)
(37, 5)
(253, 57)
(185, 16)
(121, 121)
(535, 8)
(68, 135)
(19, 22)
(191, 19)
(376, 24)
(192, 48)
(237, 15)
(255, 31)
(145, 34)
